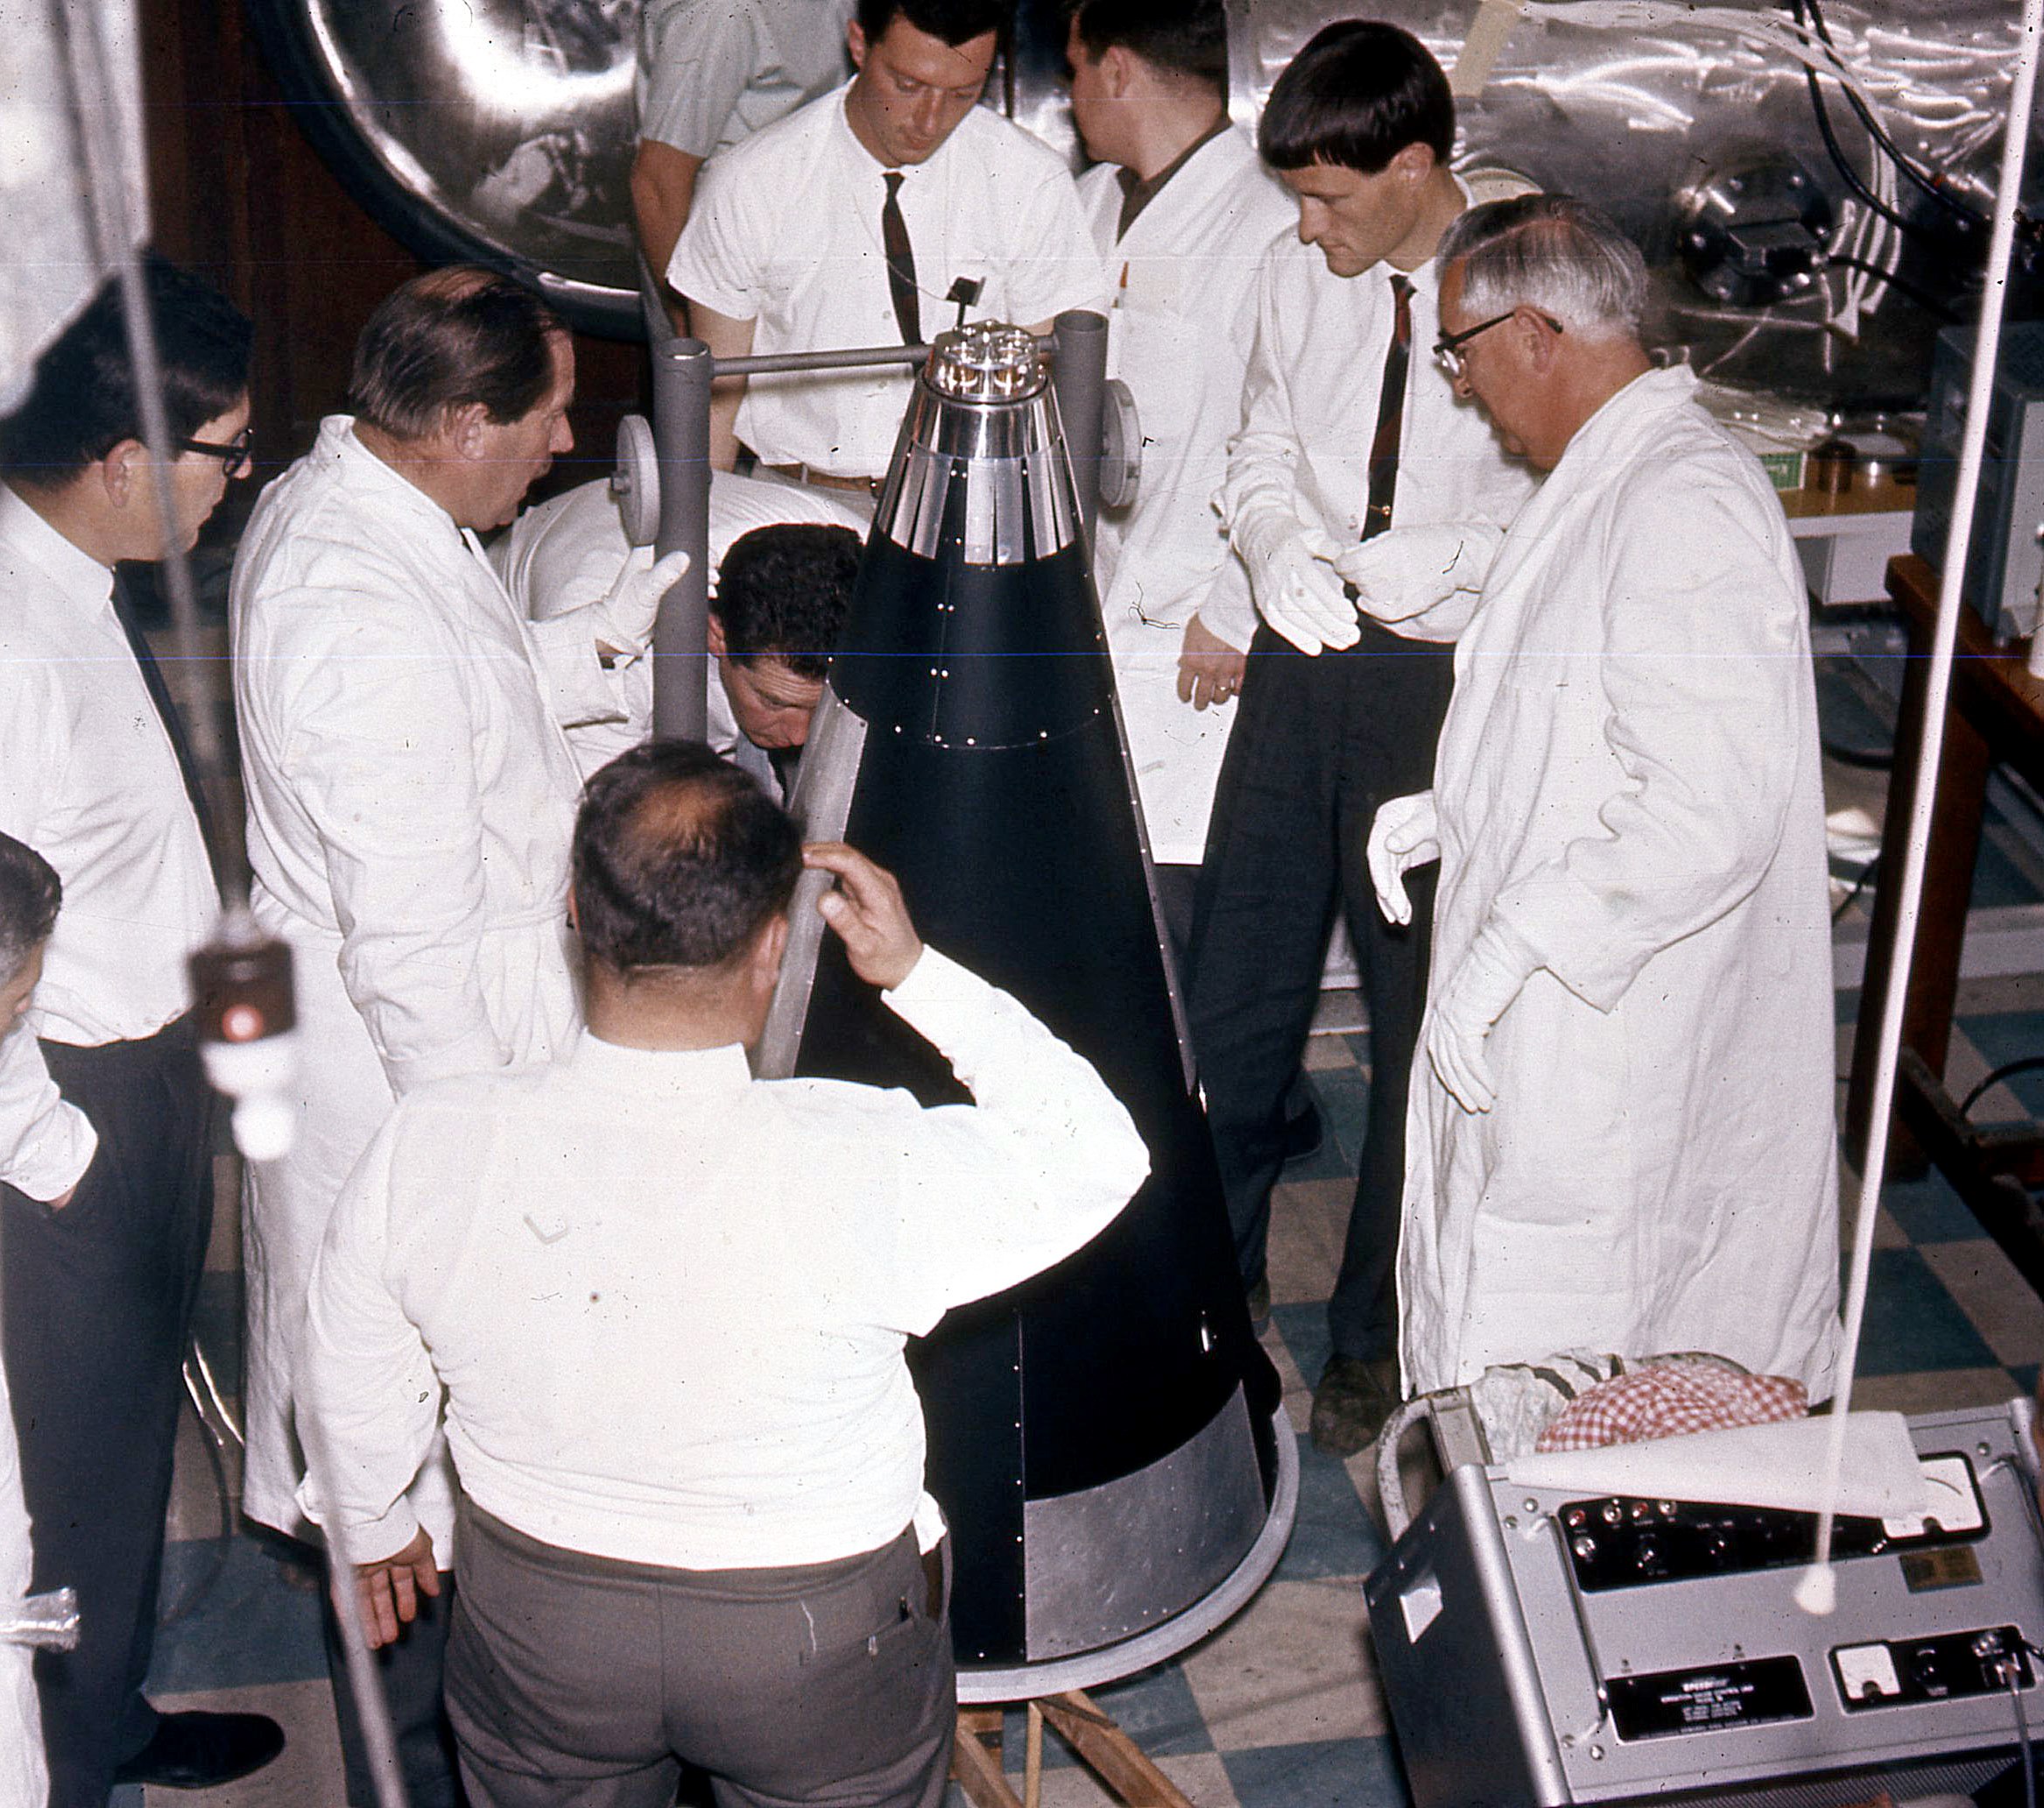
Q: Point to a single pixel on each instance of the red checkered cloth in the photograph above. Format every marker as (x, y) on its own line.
(1668, 1399)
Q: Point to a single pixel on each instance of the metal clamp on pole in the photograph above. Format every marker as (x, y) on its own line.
(682, 373)
(44, 1622)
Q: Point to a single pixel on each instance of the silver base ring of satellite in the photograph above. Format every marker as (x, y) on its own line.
(981, 1686)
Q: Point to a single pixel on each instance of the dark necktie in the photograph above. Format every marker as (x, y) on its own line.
(1391, 405)
(900, 264)
(173, 723)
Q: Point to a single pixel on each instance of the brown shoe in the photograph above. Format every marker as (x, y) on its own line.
(1353, 1400)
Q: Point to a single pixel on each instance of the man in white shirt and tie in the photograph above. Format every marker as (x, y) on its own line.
(668, 1303)
(109, 1203)
(855, 221)
(1354, 461)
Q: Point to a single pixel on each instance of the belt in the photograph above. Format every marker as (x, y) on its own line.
(825, 480)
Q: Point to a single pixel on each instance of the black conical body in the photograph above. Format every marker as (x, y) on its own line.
(993, 782)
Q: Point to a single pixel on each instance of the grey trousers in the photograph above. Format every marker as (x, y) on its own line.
(572, 1679)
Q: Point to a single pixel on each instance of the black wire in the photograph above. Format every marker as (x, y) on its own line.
(1937, 190)
(1923, 297)
(2008, 1070)
(1859, 885)
(1842, 163)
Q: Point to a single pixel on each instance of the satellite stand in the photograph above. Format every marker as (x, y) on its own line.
(1115, 1759)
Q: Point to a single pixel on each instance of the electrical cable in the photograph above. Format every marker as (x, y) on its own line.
(222, 1542)
(2007, 1071)
(1959, 208)
(1923, 297)
(1859, 885)
(2011, 1676)
(1842, 163)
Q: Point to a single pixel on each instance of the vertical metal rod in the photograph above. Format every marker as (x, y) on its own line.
(823, 805)
(1079, 378)
(682, 369)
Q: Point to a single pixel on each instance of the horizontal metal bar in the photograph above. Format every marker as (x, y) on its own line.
(769, 363)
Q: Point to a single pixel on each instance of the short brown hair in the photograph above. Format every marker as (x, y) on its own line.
(447, 340)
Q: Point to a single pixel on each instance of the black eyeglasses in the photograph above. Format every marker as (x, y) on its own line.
(1447, 347)
(234, 456)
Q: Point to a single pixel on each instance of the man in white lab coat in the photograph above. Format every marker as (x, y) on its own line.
(1621, 1134)
(411, 797)
(1354, 463)
(1182, 210)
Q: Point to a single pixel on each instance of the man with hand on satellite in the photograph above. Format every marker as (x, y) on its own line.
(1622, 1132)
(668, 1305)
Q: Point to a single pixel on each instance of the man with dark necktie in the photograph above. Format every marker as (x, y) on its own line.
(104, 1231)
(1363, 500)
(857, 221)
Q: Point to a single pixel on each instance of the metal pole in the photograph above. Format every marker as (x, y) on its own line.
(682, 370)
(769, 364)
(823, 805)
(1079, 376)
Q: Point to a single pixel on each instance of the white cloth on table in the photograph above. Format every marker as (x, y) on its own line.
(89, 780)
(712, 72)
(785, 233)
(1184, 309)
(1310, 409)
(411, 799)
(566, 554)
(1628, 782)
(667, 1302)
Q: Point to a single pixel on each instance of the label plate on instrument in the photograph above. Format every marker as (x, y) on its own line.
(1710, 1698)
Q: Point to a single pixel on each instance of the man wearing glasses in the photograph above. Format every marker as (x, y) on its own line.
(1363, 500)
(107, 1207)
(1622, 1132)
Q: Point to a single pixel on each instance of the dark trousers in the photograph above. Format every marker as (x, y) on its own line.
(1322, 742)
(411, 1671)
(576, 1679)
(97, 1302)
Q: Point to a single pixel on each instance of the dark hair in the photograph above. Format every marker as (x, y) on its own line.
(679, 859)
(784, 591)
(1356, 96)
(30, 893)
(447, 339)
(953, 21)
(83, 403)
(1184, 37)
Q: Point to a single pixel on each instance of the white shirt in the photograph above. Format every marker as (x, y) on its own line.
(45, 1142)
(1309, 412)
(667, 1302)
(711, 71)
(1179, 334)
(89, 779)
(566, 554)
(785, 232)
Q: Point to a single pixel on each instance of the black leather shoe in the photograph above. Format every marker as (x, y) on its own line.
(1353, 1400)
(1305, 1131)
(201, 1750)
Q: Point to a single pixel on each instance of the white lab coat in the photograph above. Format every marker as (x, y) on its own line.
(1628, 778)
(1179, 336)
(411, 802)
(24, 1781)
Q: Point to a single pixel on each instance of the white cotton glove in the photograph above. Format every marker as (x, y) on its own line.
(1294, 582)
(1403, 834)
(1492, 974)
(1411, 571)
(623, 621)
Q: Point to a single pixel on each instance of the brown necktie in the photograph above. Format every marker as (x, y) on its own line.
(1391, 405)
(908, 311)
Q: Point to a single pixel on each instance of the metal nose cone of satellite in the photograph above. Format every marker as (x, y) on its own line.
(1103, 1439)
